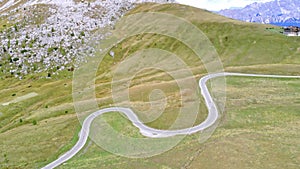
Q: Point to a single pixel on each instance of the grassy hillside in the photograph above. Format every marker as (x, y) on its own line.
(238, 43)
(259, 129)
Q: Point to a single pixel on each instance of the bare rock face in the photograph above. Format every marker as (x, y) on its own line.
(52, 35)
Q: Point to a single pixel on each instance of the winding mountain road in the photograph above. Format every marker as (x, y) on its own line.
(151, 132)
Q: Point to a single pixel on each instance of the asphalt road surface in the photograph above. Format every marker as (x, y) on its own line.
(151, 132)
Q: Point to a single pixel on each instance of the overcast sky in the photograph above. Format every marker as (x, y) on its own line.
(216, 5)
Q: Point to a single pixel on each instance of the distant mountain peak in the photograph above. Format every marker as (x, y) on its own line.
(277, 11)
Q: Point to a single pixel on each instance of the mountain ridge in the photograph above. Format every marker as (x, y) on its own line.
(277, 11)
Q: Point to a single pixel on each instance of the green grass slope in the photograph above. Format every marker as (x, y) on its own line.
(259, 129)
(238, 43)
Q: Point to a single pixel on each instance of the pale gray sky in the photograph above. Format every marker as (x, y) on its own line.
(216, 5)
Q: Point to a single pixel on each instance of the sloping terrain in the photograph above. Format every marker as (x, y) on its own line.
(259, 129)
(50, 36)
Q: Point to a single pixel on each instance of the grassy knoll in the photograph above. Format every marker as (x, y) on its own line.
(259, 129)
(238, 43)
